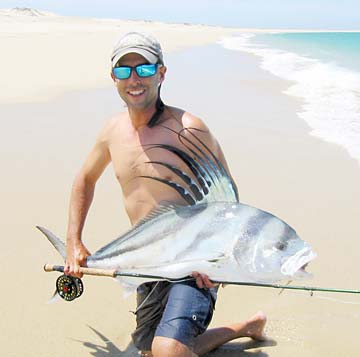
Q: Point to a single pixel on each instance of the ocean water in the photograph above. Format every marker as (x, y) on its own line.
(324, 68)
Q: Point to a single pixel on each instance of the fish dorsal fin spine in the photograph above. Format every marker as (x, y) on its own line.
(213, 184)
(158, 211)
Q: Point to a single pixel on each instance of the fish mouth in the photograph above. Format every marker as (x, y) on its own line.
(295, 265)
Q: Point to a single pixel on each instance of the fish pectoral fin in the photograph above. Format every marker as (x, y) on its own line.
(129, 284)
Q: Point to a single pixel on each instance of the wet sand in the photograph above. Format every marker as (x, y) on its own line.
(278, 167)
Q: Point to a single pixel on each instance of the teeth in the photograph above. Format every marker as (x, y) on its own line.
(136, 92)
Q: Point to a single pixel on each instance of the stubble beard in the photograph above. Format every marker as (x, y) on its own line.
(143, 105)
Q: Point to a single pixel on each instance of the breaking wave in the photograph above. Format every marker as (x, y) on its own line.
(330, 93)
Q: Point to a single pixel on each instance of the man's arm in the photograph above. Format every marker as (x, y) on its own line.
(81, 197)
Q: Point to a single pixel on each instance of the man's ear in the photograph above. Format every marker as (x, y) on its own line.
(113, 77)
(162, 71)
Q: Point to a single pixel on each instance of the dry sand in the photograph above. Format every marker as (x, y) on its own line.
(278, 167)
(48, 55)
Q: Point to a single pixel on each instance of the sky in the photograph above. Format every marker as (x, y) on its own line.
(316, 14)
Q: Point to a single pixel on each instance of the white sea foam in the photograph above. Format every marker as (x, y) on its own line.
(330, 93)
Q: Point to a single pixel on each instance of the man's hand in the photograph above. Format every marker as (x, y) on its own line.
(202, 280)
(75, 258)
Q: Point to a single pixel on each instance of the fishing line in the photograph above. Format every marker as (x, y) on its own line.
(146, 299)
(154, 288)
(337, 300)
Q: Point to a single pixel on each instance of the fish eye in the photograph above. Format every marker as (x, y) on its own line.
(281, 245)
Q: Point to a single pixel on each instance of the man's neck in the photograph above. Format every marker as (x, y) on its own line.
(141, 117)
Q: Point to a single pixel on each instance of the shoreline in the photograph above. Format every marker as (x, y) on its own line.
(26, 13)
(82, 60)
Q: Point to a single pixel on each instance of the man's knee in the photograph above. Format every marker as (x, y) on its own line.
(169, 347)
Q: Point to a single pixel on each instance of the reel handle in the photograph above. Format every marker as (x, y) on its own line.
(86, 271)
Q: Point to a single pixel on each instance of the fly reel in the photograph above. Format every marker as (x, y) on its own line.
(68, 287)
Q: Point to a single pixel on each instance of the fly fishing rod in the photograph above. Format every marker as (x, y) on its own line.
(70, 288)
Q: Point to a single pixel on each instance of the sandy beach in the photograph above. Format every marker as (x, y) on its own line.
(55, 95)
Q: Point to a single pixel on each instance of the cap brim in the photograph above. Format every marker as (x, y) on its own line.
(146, 54)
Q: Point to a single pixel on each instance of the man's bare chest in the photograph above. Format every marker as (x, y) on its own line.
(147, 156)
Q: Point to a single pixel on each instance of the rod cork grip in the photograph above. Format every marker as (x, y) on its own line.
(83, 270)
(51, 267)
(98, 272)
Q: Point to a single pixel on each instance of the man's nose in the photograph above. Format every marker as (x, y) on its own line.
(134, 78)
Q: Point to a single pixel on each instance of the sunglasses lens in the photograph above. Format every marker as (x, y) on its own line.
(146, 70)
(122, 72)
(142, 70)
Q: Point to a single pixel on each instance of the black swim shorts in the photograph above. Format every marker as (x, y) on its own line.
(180, 311)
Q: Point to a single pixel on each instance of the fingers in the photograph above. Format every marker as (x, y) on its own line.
(73, 270)
(76, 258)
(72, 267)
(202, 280)
(207, 281)
(199, 281)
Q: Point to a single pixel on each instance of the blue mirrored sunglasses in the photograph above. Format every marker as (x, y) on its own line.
(142, 70)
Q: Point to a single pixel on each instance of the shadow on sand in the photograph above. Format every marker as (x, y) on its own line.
(240, 349)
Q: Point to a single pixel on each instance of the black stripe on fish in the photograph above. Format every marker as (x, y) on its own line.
(117, 246)
(256, 223)
(208, 171)
(289, 233)
(195, 168)
(193, 246)
(188, 180)
(181, 190)
(208, 164)
(214, 167)
(208, 174)
(214, 158)
(217, 161)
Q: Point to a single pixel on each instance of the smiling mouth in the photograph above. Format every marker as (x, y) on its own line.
(136, 93)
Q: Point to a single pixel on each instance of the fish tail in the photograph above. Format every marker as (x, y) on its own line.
(58, 244)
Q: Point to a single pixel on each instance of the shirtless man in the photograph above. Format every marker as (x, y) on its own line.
(138, 71)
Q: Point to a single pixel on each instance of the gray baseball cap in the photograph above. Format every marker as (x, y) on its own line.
(138, 42)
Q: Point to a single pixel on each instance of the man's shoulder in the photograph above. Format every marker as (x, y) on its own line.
(115, 120)
(197, 128)
(109, 126)
(187, 119)
(193, 121)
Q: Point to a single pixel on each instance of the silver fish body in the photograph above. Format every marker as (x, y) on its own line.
(227, 241)
(215, 234)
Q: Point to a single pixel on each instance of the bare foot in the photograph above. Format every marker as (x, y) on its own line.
(255, 327)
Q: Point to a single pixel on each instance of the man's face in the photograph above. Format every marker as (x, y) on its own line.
(137, 92)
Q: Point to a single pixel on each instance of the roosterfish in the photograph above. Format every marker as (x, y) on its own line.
(214, 234)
